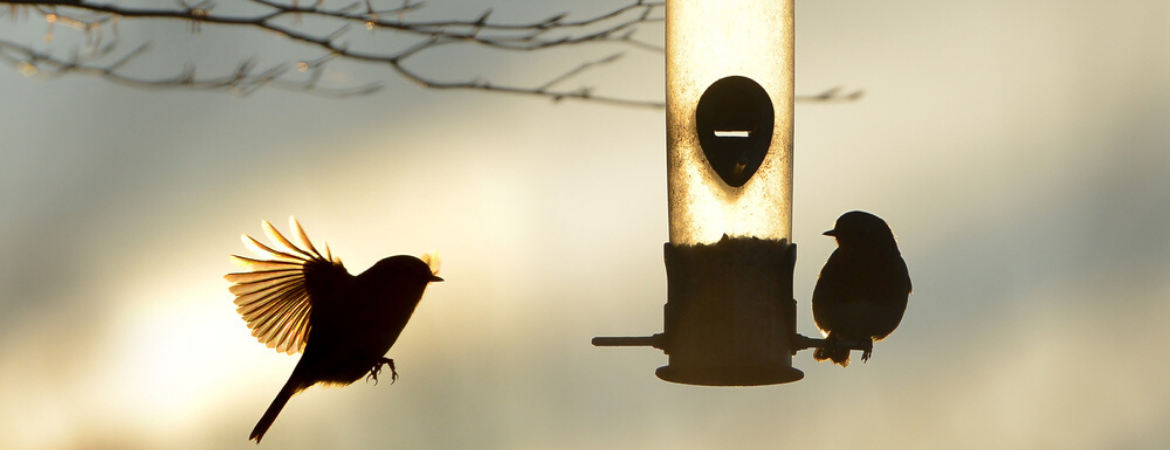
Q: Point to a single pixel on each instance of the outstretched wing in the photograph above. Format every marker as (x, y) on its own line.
(272, 295)
(433, 261)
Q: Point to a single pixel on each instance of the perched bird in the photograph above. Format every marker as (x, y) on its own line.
(862, 291)
(299, 300)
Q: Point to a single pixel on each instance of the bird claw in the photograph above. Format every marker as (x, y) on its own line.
(867, 351)
(377, 369)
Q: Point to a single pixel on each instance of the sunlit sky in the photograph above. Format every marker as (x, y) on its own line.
(1019, 150)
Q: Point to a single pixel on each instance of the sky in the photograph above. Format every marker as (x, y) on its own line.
(1018, 150)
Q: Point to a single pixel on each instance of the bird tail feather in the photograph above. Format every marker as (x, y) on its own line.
(274, 409)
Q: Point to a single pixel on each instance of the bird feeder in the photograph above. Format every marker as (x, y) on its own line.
(730, 317)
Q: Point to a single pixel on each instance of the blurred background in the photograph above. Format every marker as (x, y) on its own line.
(1019, 150)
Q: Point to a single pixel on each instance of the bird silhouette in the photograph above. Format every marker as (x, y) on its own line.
(300, 300)
(863, 289)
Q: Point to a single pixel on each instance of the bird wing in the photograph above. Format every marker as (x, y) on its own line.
(272, 296)
(433, 261)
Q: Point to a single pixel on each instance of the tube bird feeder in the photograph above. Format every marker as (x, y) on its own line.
(730, 317)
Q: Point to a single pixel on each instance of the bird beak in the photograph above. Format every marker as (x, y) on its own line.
(832, 232)
(435, 278)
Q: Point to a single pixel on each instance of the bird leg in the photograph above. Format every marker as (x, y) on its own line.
(831, 343)
(868, 350)
(377, 369)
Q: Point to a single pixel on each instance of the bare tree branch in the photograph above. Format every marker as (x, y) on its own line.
(99, 22)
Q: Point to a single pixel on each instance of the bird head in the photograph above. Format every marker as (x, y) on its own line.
(404, 269)
(862, 229)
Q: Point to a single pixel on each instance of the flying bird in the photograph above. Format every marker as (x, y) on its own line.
(297, 299)
(862, 291)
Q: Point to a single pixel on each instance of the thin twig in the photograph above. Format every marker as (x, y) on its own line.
(617, 27)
